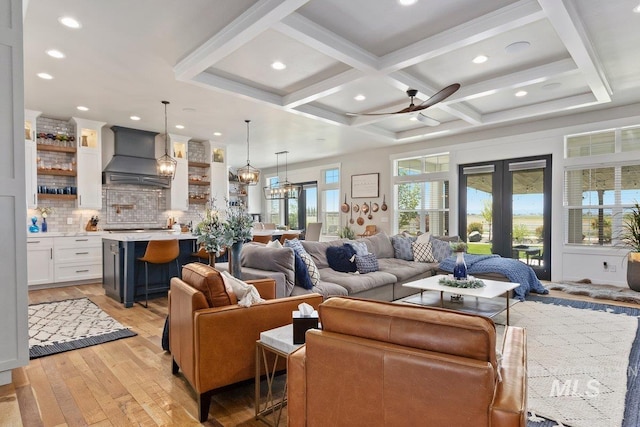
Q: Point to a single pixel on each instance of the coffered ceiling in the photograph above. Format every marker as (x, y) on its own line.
(212, 59)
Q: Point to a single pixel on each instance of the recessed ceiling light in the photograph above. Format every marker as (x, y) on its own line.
(45, 76)
(359, 97)
(70, 22)
(82, 108)
(136, 118)
(217, 134)
(480, 59)
(179, 127)
(407, 2)
(54, 53)
(278, 65)
(517, 47)
(637, 9)
(521, 93)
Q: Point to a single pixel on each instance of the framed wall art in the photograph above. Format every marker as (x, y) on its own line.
(365, 185)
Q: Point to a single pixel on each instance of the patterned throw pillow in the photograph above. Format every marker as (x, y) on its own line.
(295, 245)
(402, 247)
(302, 273)
(314, 274)
(440, 249)
(422, 252)
(359, 247)
(367, 263)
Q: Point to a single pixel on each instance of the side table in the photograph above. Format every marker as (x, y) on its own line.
(278, 341)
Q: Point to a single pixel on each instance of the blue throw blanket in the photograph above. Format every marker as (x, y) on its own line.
(514, 270)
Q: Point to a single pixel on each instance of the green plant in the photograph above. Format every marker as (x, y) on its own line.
(475, 226)
(631, 228)
(520, 232)
(458, 246)
(347, 232)
(540, 232)
(237, 227)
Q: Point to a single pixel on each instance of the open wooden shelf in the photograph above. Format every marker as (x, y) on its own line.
(199, 164)
(56, 148)
(43, 196)
(203, 183)
(197, 201)
(56, 172)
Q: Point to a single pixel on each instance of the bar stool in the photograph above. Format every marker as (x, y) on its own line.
(288, 236)
(203, 256)
(262, 238)
(158, 252)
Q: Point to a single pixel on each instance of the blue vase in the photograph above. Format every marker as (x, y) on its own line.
(44, 225)
(33, 228)
(460, 269)
(234, 260)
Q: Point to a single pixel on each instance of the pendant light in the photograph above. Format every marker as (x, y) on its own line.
(248, 174)
(281, 189)
(166, 164)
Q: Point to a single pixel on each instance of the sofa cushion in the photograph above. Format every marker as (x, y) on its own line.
(340, 258)
(440, 248)
(402, 247)
(318, 250)
(280, 260)
(423, 252)
(355, 282)
(314, 274)
(247, 294)
(326, 289)
(380, 245)
(208, 281)
(302, 273)
(360, 248)
(367, 263)
(407, 270)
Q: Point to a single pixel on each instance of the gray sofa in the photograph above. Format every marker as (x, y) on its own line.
(259, 261)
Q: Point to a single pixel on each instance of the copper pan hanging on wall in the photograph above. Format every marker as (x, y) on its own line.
(345, 206)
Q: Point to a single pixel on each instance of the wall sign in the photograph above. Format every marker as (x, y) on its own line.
(365, 185)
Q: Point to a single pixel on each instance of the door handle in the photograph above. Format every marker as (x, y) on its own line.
(82, 253)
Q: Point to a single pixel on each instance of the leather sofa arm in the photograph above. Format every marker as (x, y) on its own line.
(297, 386)
(266, 287)
(510, 401)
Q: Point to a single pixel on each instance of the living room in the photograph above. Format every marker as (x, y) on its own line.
(317, 140)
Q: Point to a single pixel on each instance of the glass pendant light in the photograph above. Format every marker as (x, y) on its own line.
(166, 164)
(248, 174)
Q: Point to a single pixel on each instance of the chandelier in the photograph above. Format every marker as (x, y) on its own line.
(248, 174)
(281, 189)
(166, 164)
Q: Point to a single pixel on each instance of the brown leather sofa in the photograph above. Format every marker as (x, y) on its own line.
(379, 363)
(211, 338)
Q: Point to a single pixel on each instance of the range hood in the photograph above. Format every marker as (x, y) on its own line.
(134, 159)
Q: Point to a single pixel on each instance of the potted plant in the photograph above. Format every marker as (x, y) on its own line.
(631, 238)
(210, 233)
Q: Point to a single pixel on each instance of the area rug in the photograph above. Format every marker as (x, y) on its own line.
(55, 327)
(604, 292)
(583, 361)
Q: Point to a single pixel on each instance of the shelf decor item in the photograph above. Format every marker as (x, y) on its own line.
(44, 224)
(166, 164)
(33, 228)
(460, 268)
(44, 212)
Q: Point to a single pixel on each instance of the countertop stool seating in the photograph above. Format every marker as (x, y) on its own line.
(159, 252)
(288, 236)
(203, 256)
(262, 238)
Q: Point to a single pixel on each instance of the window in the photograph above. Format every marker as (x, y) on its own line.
(422, 194)
(273, 206)
(332, 176)
(330, 215)
(596, 195)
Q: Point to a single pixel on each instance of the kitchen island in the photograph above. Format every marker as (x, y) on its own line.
(123, 274)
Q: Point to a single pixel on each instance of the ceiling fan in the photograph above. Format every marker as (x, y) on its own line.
(412, 108)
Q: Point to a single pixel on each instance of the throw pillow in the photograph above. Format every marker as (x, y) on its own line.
(367, 263)
(314, 274)
(247, 294)
(402, 247)
(295, 245)
(424, 238)
(359, 247)
(422, 252)
(340, 258)
(302, 273)
(440, 249)
(274, 244)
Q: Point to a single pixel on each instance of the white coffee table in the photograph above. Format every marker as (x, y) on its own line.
(492, 290)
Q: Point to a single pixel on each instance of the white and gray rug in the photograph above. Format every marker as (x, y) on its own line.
(583, 361)
(66, 325)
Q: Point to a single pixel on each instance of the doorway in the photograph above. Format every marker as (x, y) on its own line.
(303, 210)
(505, 209)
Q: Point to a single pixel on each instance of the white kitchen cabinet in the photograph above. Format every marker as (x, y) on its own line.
(178, 199)
(77, 258)
(40, 268)
(89, 163)
(31, 158)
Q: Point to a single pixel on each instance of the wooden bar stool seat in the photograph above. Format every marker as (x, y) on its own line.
(159, 252)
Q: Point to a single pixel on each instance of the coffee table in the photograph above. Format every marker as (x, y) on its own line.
(486, 307)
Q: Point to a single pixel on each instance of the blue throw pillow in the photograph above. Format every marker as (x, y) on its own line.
(340, 258)
(439, 248)
(359, 247)
(367, 263)
(402, 247)
(302, 273)
(295, 245)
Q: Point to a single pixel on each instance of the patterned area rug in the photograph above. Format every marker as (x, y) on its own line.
(60, 326)
(583, 361)
(610, 292)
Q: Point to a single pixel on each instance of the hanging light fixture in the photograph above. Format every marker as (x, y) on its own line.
(281, 189)
(166, 164)
(248, 174)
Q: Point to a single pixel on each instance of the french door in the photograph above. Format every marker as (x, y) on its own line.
(505, 209)
(303, 210)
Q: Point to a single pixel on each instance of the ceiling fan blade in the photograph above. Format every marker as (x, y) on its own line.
(404, 110)
(427, 120)
(440, 96)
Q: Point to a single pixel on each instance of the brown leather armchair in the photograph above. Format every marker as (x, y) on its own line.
(211, 338)
(377, 363)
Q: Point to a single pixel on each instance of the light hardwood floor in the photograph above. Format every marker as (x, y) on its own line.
(122, 383)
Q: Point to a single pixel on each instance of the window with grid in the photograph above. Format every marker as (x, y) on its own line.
(597, 194)
(421, 192)
(274, 207)
(330, 215)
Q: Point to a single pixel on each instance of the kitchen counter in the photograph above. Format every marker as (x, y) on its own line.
(145, 236)
(41, 235)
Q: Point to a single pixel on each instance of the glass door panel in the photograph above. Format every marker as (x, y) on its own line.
(527, 201)
(479, 213)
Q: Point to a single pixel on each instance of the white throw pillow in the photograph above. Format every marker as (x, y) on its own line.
(274, 244)
(423, 238)
(247, 294)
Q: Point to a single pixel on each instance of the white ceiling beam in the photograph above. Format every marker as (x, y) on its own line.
(258, 18)
(212, 81)
(378, 131)
(321, 89)
(502, 20)
(321, 114)
(541, 108)
(324, 41)
(430, 132)
(566, 22)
